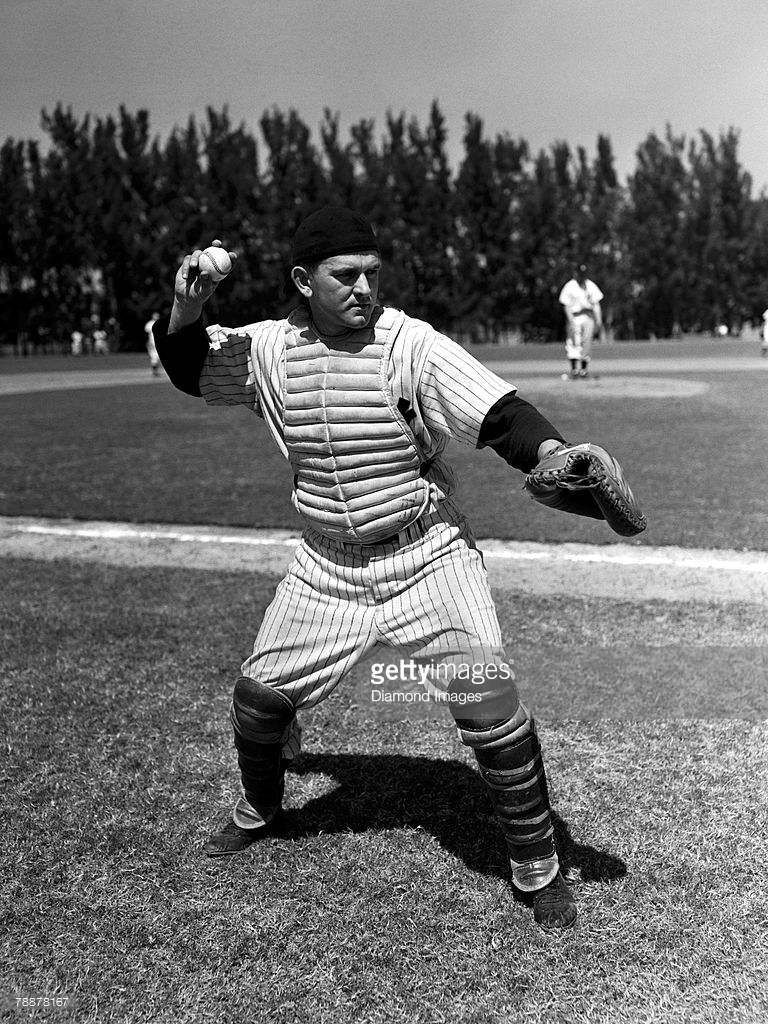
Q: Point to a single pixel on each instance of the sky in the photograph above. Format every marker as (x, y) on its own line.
(540, 70)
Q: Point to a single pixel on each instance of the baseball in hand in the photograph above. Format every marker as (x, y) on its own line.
(214, 261)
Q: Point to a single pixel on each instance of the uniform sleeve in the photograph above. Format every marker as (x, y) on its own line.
(455, 390)
(214, 363)
(228, 375)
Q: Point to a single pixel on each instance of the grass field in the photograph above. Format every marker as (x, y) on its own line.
(386, 899)
(152, 454)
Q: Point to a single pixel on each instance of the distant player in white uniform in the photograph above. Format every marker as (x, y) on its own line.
(581, 300)
(764, 341)
(154, 359)
(362, 400)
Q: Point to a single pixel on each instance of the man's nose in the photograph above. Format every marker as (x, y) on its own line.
(362, 286)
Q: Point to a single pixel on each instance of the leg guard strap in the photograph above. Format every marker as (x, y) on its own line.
(493, 737)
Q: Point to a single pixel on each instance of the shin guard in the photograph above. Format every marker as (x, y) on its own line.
(261, 718)
(510, 762)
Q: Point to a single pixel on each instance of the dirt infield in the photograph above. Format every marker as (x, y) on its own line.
(613, 386)
(618, 570)
(617, 376)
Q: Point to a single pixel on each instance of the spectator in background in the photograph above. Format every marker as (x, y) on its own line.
(114, 332)
(100, 346)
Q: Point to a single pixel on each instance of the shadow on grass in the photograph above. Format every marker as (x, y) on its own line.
(445, 798)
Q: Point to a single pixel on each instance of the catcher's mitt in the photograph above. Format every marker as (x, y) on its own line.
(586, 480)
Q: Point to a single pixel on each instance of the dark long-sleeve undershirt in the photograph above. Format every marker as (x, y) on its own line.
(512, 427)
(182, 353)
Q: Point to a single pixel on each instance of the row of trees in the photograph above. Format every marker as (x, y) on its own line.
(96, 222)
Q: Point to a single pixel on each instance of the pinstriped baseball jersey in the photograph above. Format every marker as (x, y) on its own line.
(424, 591)
(442, 390)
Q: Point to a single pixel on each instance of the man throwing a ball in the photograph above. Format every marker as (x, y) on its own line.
(362, 401)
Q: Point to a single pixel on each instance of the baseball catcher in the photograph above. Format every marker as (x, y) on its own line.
(362, 399)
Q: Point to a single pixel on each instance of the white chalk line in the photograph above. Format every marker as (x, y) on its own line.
(755, 563)
(127, 533)
(644, 557)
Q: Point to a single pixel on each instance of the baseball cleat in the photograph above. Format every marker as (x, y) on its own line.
(233, 839)
(554, 906)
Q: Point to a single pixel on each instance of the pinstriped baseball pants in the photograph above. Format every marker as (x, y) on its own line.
(425, 595)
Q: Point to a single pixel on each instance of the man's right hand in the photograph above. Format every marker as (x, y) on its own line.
(192, 289)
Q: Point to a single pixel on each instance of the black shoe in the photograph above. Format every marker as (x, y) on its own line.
(554, 906)
(233, 839)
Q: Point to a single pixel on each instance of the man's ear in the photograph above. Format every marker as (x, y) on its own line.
(300, 277)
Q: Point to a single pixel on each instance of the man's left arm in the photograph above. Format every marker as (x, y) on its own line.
(518, 432)
(461, 397)
(596, 297)
(598, 311)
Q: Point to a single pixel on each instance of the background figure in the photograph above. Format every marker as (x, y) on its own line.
(581, 299)
(154, 360)
(114, 333)
(100, 346)
(764, 342)
(76, 338)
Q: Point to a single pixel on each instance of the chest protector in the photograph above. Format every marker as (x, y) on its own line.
(357, 467)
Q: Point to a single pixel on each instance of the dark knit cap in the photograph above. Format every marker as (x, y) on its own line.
(332, 231)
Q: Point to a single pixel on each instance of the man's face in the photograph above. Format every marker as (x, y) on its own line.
(342, 291)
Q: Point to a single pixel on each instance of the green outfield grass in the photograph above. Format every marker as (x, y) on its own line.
(690, 346)
(149, 453)
(386, 898)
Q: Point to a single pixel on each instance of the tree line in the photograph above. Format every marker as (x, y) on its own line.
(94, 224)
